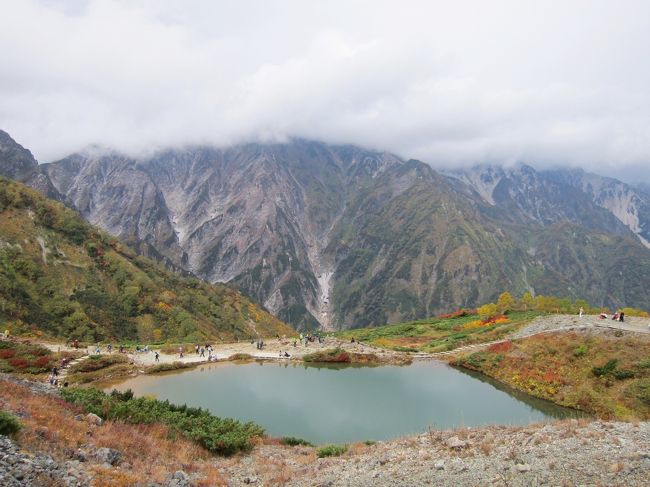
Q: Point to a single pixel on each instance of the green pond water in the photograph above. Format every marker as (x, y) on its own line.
(344, 404)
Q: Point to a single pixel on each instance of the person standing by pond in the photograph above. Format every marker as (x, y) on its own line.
(157, 356)
(180, 352)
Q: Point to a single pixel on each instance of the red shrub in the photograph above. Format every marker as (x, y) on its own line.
(500, 347)
(42, 362)
(39, 351)
(494, 319)
(18, 363)
(7, 353)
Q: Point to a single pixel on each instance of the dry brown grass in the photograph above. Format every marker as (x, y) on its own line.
(150, 450)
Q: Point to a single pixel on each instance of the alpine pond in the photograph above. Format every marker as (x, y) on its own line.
(324, 404)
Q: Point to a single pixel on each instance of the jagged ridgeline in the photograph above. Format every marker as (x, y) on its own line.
(64, 277)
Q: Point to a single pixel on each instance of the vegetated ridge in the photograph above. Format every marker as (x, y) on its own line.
(60, 276)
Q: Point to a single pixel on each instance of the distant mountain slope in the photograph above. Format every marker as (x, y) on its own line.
(18, 163)
(341, 236)
(61, 276)
(553, 196)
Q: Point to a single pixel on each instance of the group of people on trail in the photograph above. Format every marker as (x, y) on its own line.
(619, 316)
(309, 337)
(53, 379)
(200, 351)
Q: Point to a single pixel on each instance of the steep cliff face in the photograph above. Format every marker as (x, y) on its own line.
(258, 216)
(560, 195)
(339, 236)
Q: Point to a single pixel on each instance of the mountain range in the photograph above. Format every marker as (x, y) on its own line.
(340, 236)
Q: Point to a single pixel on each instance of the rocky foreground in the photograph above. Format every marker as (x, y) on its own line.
(576, 452)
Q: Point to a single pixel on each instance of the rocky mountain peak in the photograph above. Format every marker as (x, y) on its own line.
(16, 162)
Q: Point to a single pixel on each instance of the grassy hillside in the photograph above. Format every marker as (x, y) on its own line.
(598, 372)
(60, 276)
(442, 333)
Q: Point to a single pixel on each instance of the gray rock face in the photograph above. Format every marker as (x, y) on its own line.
(338, 236)
(260, 217)
(553, 196)
(16, 161)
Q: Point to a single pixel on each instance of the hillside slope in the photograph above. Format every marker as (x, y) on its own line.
(63, 277)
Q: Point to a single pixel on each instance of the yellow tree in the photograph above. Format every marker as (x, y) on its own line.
(505, 302)
(487, 310)
(527, 301)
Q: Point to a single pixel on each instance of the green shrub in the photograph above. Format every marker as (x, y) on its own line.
(154, 369)
(217, 435)
(291, 441)
(644, 364)
(332, 451)
(608, 368)
(639, 390)
(371, 442)
(623, 374)
(9, 424)
(580, 351)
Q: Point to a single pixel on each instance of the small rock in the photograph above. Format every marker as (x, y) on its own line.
(522, 467)
(456, 443)
(79, 417)
(108, 455)
(439, 465)
(94, 419)
(79, 455)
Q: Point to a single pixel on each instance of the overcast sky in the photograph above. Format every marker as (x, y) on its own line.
(450, 83)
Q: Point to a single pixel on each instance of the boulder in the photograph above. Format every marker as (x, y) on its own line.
(108, 455)
(456, 443)
(92, 418)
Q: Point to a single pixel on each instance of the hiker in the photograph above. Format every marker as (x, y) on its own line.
(286, 354)
(621, 317)
(202, 352)
(180, 352)
(76, 344)
(98, 350)
(582, 311)
(55, 371)
(196, 349)
(615, 316)
(110, 348)
(157, 356)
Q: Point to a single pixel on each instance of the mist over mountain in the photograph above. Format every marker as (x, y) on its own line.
(340, 236)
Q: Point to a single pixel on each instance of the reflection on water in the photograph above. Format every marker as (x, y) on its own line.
(336, 403)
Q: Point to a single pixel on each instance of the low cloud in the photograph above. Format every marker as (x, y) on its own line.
(500, 82)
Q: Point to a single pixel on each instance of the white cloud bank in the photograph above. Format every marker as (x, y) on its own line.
(450, 83)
